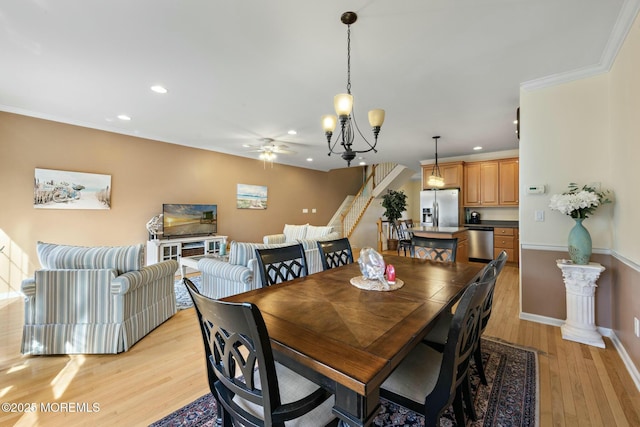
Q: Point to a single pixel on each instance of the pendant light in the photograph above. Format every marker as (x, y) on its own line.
(436, 179)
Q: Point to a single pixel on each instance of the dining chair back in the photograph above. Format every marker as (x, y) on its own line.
(404, 236)
(252, 389)
(334, 253)
(281, 264)
(443, 250)
(428, 381)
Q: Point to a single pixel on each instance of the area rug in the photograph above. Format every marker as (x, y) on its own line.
(510, 399)
(183, 299)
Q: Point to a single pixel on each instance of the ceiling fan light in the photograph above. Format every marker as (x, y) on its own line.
(376, 118)
(343, 104)
(329, 123)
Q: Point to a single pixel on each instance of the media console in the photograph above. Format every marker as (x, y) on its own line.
(164, 249)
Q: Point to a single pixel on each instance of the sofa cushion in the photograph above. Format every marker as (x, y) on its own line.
(120, 258)
(314, 232)
(295, 232)
(241, 252)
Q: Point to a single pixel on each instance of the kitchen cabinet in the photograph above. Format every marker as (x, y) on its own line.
(452, 173)
(491, 183)
(508, 182)
(481, 184)
(506, 239)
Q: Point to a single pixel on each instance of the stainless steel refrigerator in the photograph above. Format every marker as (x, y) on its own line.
(440, 208)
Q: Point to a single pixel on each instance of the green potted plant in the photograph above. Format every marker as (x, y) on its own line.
(394, 202)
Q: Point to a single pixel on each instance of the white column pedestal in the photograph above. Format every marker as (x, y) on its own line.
(580, 284)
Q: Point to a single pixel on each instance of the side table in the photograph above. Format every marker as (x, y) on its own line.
(580, 284)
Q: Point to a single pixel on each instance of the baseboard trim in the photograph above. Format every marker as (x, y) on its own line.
(626, 359)
(606, 332)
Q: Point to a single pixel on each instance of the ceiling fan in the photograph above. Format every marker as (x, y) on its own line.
(268, 150)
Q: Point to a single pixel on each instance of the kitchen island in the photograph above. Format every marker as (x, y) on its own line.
(461, 233)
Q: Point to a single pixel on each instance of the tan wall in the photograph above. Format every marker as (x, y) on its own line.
(545, 293)
(144, 175)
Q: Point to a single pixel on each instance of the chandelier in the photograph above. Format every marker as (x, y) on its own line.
(435, 179)
(343, 104)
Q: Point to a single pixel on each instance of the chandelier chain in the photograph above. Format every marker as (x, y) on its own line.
(349, 59)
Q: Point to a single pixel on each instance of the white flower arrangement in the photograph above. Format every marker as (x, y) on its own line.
(578, 202)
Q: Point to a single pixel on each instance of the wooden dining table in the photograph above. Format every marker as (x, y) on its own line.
(348, 339)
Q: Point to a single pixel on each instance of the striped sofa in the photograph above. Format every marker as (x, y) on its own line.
(241, 273)
(94, 299)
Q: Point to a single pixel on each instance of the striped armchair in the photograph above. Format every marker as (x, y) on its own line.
(241, 274)
(88, 300)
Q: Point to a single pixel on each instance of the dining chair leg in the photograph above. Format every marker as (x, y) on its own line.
(458, 409)
(468, 399)
(477, 356)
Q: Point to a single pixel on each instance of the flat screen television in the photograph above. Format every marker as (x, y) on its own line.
(187, 220)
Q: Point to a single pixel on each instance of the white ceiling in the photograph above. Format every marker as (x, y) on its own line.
(238, 71)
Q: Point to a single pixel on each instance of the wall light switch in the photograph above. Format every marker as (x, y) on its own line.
(305, 210)
(539, 216)
(636, 326)
(313, 210)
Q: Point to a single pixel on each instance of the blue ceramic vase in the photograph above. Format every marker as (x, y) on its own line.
(579, 243)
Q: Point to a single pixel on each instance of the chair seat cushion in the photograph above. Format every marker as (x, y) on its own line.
(417, 374)
(293, 387)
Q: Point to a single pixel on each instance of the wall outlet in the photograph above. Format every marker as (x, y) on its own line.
(539, 216)
(636, 326)
(313, 210)
(305, 210)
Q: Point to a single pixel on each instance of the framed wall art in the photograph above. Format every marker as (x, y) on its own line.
(251, 196)
(54, 189)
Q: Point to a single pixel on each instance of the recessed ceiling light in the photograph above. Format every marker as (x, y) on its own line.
(362, 163)
(477, 148)
(292, 132)
(515, 122)
(158, 89)
(124, 117)
(309, 159)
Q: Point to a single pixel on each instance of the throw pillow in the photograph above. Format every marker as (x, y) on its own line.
(295, 232)
(314, 232)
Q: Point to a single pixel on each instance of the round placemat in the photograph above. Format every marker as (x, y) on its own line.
(375, 285)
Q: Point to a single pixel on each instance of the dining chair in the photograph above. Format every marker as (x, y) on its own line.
(334, 253)
(443, 250)
(251, 387)
(404, 237)
(281, 264)
(428, 381)
(437, 337)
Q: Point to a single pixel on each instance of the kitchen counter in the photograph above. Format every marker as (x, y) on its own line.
(500, 224)
(439, 230)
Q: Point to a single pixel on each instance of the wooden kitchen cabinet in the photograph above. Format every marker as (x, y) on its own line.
(506, 239)
(508, 182)
(481, 183)
(452, 173)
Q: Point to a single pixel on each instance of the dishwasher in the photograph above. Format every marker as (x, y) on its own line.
(480, 244)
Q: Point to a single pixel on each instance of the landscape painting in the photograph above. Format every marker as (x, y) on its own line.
(55, 189)
(252, 196)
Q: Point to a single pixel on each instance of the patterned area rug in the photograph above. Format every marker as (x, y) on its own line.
(183, 300)
(510, 399)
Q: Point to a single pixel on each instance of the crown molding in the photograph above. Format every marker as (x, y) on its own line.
(623, 24)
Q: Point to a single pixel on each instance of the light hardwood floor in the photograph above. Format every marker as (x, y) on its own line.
(579, 385)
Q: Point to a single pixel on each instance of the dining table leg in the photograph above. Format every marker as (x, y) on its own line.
(355, 410)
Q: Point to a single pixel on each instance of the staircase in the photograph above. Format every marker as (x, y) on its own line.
(381, 177)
